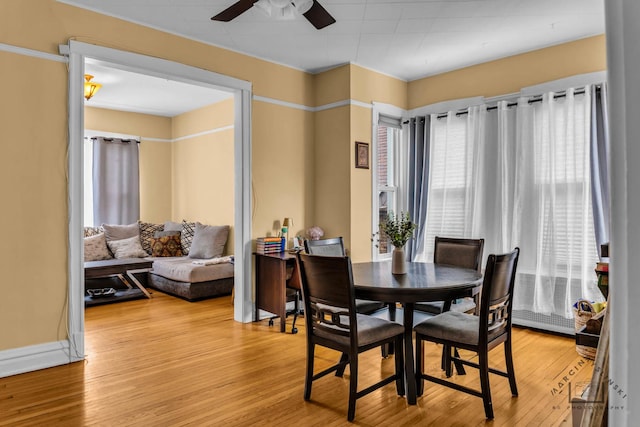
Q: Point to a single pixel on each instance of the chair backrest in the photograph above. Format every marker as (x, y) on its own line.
(497, 293)
(328, 294)
(326, 247)
(465, 253)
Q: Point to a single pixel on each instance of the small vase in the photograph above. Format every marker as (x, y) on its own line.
(398, 265)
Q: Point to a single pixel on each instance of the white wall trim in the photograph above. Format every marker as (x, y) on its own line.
(293, 105)
(282, 103)
(34, 357)
(32, 53)
(206, 132)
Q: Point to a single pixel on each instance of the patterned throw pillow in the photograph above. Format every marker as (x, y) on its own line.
(166, 246)
(92, 231)
(147, 232)
(186, 237)
(95, 248)
(127, 248)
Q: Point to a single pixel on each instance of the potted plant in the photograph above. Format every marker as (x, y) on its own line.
(399, 229)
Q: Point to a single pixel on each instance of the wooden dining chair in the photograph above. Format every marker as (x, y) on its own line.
(331, 321)
(479, 334)
(335, 247)
(465, 253)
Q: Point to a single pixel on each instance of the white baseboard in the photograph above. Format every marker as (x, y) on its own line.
(35, 357)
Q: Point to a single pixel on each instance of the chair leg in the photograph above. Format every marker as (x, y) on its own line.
(459, 366)
(483, 362)
(353, 387)
(446, 352)
(344, 358)
(296, 312)
(508, 356)
(308, 379)
(419, 366)
(399, 356)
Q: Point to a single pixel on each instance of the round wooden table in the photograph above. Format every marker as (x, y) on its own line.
(422, 282)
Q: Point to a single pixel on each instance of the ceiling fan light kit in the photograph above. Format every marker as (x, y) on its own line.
(281, 9)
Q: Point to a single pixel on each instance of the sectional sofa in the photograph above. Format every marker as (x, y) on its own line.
(186, 259)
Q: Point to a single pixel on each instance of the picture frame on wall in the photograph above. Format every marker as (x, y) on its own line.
(362, 155)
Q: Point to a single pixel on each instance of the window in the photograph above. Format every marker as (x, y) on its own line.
(449, 182)
(386, 174)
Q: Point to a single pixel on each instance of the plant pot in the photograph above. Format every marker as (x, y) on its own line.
(398, 264)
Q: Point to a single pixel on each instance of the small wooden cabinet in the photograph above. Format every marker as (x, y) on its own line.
(274, 273)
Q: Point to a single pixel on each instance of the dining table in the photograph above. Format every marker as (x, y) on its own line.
(422, 282)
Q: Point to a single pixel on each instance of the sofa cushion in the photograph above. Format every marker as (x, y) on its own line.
(119, 232)
(166, 246)
(95, 248)
(186, 236)
(208, 241)
(147, 232)
(184, 270)
(127, 248)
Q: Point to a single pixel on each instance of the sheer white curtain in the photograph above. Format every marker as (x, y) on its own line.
(519, 175)
(456, 177)
(553, 220)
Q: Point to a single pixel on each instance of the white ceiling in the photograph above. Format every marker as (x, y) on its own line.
(125, 90)
(407, 39)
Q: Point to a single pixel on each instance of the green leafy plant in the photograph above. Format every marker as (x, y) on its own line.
(399, 229)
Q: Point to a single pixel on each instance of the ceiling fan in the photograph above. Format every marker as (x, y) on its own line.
(310, 9)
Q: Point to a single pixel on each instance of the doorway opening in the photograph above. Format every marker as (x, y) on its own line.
(79, 53)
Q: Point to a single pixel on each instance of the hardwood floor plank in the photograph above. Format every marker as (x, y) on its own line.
(168, 362)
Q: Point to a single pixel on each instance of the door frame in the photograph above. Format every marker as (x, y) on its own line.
(242, 91)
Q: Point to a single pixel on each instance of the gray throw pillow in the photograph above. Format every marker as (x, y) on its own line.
(127, 248)
(208, 241)
(172, 226)
(166, 233)
(119, 232)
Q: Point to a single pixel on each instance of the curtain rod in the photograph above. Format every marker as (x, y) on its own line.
(111, 139)
(534, 99)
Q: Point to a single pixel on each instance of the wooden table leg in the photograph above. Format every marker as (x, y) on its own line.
(130, 274)
(410, 377)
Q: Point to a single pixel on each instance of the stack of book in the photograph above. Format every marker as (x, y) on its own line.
(270, 245)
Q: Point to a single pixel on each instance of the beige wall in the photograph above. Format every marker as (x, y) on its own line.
(202, 166)
(283, 169)
(34, 195)
(509, 75)
(155, 156)
(302, 161)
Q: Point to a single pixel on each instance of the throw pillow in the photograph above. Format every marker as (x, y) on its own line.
(119, 232)
(208, 241)
(167, 233)
(92, 231)
(147, 232)
(127, 248)
(165, 246)
(95, 248)
(186, 236)
(172, 226)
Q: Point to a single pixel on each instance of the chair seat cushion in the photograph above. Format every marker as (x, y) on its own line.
(462, 305)
(454, 326)
(366, 306)
(370, 330)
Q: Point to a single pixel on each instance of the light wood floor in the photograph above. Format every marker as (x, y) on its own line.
(167, 362)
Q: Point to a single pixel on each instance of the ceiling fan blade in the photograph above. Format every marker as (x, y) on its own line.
(234, 10)
(318, 16)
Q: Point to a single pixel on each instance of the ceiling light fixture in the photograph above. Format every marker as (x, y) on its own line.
(283, 9)
(90, 88)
